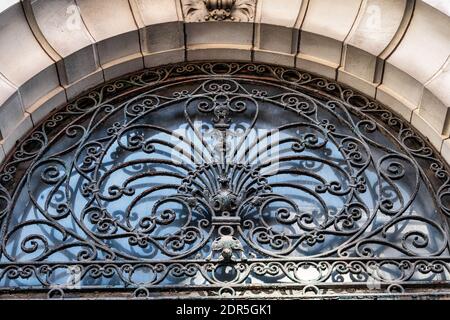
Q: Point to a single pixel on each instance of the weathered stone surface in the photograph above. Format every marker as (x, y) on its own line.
(419, 54)
(161, 31)
(377, 23)
(47, 104)
(2, 154)
(397, 103)
(23, 62)
(434, 112)
(402, 84)
(62, 25)
(277, 30)
(219, 40)
(326, 25)
(439, 85)
(20, 129)
(435, 138)
(445, 150)
(115, 33)
(11, 108)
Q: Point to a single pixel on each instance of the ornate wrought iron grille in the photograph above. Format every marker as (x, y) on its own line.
(219, 179)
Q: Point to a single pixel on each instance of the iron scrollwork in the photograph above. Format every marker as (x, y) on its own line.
(284, 180)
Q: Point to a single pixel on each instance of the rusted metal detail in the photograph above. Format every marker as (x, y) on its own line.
(166, 184)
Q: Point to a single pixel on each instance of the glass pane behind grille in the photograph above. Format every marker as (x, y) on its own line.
(233, 175)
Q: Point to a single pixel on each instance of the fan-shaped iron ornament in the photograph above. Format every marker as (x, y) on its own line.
(218, 179)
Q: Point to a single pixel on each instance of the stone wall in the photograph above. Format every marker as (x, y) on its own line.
(397, 51)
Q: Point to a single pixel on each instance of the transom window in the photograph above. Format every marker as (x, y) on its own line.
(221, 180)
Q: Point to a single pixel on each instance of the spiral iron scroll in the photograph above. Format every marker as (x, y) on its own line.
(224, 179)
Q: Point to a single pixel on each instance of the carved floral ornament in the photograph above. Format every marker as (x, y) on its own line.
(219, 10)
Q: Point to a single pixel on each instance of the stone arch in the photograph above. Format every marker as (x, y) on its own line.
(396, 51)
